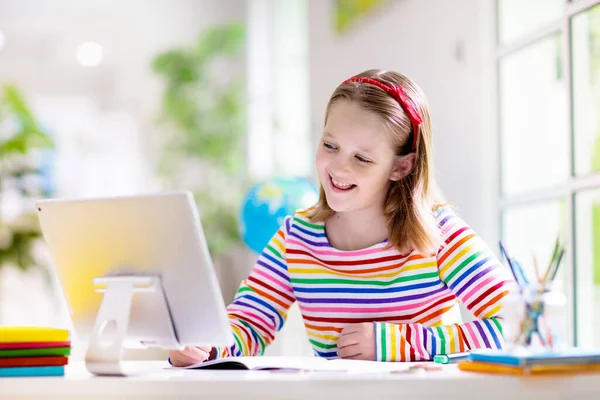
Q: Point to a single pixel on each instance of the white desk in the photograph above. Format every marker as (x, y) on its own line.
(181, 384)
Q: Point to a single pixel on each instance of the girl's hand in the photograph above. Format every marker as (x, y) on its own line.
(357, 342)
(189, 355)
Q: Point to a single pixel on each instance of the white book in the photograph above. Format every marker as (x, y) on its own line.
(306, 364)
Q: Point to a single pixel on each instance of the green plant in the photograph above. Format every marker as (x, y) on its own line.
(347, 13)
(20, 134)
(203, 101)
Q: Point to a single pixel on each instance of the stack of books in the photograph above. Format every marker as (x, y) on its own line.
(33, 351)
(501, 362)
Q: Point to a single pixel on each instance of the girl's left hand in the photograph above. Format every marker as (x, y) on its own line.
(357, 342)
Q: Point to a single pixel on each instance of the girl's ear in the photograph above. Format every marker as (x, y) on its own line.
(403, 166)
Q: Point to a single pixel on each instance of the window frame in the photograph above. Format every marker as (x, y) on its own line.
(574, 183)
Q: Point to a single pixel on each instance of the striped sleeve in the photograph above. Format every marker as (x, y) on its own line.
(261, 304)
(476, 277)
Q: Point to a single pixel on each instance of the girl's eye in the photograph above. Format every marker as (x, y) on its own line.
(363, 160)
(328, 146)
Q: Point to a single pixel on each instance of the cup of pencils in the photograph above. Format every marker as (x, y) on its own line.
(537, 319)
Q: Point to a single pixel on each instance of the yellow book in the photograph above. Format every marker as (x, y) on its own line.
(32, 334)
(558, 369)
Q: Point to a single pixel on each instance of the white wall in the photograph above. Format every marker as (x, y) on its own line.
(444, 46)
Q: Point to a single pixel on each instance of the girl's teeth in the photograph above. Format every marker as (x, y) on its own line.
(340, 184)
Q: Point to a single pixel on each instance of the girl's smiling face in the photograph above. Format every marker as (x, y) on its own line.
(356, 159)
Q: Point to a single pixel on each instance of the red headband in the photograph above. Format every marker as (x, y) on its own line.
(398, 94)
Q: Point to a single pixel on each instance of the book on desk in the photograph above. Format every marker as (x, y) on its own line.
(312, 364)
(33, 351)
(531, 363)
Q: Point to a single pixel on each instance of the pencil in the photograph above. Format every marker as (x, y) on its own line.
(510, 264)
(451, 358)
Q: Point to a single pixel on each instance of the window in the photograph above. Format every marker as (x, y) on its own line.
(533, 96)
(278, 98)
(548, 69)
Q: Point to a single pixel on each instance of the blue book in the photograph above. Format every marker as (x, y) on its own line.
(569, 357)
(33, 371)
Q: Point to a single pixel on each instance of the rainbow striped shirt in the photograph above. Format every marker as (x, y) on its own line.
(407, 296)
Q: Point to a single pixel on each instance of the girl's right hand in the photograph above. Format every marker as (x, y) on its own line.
(189, 355)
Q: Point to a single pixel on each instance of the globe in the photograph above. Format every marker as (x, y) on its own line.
(266, 205)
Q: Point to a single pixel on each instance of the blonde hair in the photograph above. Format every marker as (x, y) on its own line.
(410, 201)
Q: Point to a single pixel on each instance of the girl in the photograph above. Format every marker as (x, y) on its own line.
(379, 263)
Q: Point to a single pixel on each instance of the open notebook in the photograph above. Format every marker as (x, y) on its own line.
(309, 364)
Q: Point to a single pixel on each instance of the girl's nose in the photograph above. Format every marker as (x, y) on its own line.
(339, 166)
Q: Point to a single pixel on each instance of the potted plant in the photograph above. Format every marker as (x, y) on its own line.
(204, 111)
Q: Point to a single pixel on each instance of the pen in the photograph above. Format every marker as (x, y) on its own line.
(450, 358)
